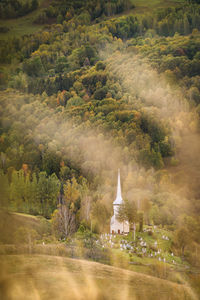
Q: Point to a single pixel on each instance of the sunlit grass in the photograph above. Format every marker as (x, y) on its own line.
(49, 277)
(21, 26)
(144, 6)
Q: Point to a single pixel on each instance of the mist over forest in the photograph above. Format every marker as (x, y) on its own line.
(88, 88)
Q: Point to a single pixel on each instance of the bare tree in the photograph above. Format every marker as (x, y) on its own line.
(63, 221)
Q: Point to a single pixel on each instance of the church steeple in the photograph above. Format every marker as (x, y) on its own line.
(115, 225)
(118, 199)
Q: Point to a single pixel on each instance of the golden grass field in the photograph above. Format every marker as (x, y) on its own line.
(42, 277)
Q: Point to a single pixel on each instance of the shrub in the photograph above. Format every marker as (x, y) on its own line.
(150, 233)
(4, 29)
(160, 270)
(100, 66)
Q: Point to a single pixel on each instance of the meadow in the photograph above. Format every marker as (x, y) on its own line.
(48, 277)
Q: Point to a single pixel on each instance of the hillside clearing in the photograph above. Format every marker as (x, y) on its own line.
(10, 222)
(144, 6)
(23, 25)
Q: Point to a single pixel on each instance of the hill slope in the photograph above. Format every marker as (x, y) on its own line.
(29, 276)
(12, 222)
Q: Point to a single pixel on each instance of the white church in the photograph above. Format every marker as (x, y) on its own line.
(115, 225)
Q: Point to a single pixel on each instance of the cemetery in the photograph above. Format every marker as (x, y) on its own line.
(147, 248)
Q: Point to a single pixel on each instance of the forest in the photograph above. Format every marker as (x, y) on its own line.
(102, 86)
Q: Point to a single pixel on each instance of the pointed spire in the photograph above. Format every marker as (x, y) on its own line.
(119, 186)
(118, 199)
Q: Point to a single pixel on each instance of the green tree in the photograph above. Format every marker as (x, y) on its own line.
(141, 220)
(75, 101)
(18, 190)
(146, 207)
(51, 162)
(186, 25)
(182, 239)
(100, 214)
(4, 195)
(34, 205)
(34, 4)
(47, 193)
(72, 191)
(128, 212)
(33, 66)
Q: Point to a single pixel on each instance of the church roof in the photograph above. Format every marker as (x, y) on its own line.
(118, 199)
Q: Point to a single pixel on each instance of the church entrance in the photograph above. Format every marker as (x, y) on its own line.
(118, 231)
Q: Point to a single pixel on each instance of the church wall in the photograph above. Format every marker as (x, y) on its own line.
(118, 227)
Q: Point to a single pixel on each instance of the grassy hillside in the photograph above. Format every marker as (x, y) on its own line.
(44, 277)
(20, 26)
(10, 223)
(23, 25)
(22, 234)
(142, 6)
